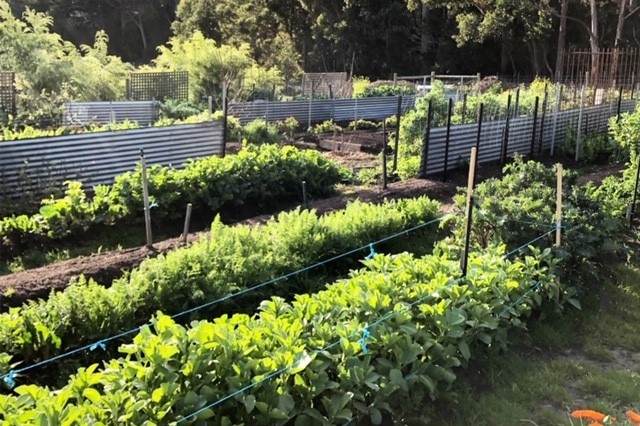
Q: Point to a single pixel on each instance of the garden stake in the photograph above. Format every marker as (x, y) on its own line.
(187, 220)
(467, 233)
(145, 195)
(397, 139)
(517, 107)
(447, 141)
(210, 103)
(535, 122)
(305, 203)
(635, 195)
(464, 107)
(559, 205)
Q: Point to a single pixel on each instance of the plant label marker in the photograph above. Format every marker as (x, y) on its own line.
(145, 195)
(559, 205)
(469, 213)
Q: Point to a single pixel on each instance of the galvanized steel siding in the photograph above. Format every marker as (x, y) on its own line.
(463, 137)
(96, 158)
(321, 110)
(144, 112)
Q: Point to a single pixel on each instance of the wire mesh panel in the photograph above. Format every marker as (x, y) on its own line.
(7, 92)
(149, 86)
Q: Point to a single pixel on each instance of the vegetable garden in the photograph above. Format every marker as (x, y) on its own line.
(242, 327)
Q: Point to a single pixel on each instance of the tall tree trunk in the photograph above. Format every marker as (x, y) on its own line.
(562, 36)
(616, 53)
(594, 42)
(424, 36)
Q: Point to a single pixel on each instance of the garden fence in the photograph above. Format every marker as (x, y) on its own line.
(35, 165)
(145, 113)
(315, 110)
(549, 135)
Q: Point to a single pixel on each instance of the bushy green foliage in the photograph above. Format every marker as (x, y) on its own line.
(387, 88)
(626, 133)
(180, 110)
(259, 132)
(259, 176)
(231, 259)
(51, 70)
(288, 127)
(328, 377)
(328, 126)
(523, 202)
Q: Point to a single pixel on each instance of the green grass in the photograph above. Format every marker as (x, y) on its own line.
(587, 359)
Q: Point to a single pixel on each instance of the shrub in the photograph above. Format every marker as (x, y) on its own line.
(260, 132)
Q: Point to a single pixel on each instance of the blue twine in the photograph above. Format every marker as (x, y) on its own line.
(91, 347)
(97, 345)
(528, 244)
(101, 343)
(9, 379)
(365, 334)
(363, 340)
(372, 252)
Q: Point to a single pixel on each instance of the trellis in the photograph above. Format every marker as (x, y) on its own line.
(149, 86)
(606, 68)
(7, 92)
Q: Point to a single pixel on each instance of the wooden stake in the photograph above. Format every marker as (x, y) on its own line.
(145, 195)
(187, 221)
(559, 205)
(470, 185)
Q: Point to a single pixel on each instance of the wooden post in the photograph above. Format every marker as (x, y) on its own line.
(145, 195)
(187, 221)
(559, 205)
(210, 104)
(469, 212)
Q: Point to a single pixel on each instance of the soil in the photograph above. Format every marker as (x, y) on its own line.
(17, 288)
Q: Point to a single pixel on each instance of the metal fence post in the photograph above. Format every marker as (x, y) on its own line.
(397, 136)
(544, 114)
(556, 108)
(447, 141)
(145, 198)
(535, 122)
(579, 130)
(480, 116)
(425, 142)
(505, 140)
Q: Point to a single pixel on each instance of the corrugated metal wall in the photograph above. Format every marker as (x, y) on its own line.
(463, 137)
(317, 111)
(95, 158)
(144, 112)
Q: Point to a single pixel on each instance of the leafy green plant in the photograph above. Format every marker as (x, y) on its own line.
(257, 175)
(232, 259)
(260, 132)
(288, 127)
(372, 347)
(327, 126)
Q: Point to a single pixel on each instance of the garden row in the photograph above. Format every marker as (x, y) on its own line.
(230, 260)
(373, 345)
(261, 177)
